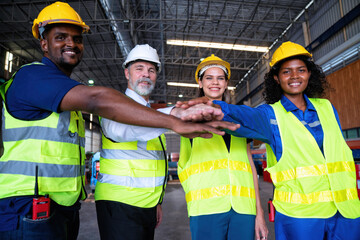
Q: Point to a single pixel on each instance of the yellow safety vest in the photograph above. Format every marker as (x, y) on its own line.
(55, 144)
(214, 179)
(307, 184)
(132, 172)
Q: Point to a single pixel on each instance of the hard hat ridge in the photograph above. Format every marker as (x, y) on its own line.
(58, 12)
(212, 61)
(286, 50)
(143, 52)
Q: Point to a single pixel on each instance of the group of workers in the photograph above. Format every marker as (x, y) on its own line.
(43, 135)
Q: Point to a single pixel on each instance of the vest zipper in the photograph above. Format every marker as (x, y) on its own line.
(81, 175)
(166, 171)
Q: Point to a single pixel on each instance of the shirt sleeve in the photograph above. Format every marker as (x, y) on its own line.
(254, 122)
(337, 116)
(37, 90)
(120, 132)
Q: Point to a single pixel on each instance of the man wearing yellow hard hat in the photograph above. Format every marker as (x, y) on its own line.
(44, 136)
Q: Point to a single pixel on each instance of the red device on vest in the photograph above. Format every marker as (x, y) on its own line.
(271, 211)
(41, 204)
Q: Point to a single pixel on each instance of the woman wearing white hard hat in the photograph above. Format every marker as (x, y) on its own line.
(308, 159)
(218, 174)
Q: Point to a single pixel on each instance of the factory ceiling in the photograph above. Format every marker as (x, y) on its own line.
(117, 26)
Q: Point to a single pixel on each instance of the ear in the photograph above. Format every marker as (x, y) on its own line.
(200, 84)
(44, 45)
(276, 79)
(126, 71)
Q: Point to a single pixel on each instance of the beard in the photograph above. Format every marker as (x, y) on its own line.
(142, 90)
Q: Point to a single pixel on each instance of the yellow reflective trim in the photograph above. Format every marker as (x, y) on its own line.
(345, 194)
(213, 165)
(310, 171)
(315, 197)
(289, 197)
(203, 167)
(240, 166)
(220, 191)
(343, 166)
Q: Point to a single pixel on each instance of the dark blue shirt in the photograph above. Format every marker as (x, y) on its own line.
(36, 92)
(260, 123)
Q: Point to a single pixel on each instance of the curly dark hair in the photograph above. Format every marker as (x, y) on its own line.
(316, 88)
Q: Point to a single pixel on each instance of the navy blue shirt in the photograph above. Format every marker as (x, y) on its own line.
(36, 92)
(260, 123)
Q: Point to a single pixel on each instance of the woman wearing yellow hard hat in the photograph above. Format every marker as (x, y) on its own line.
(308, 159)
(218, 175)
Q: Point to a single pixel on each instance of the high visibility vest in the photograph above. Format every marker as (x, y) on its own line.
(132, 172)
(307, 184)
(55, 144)
(214, 179)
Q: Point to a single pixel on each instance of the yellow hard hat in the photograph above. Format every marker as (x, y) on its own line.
(288, 49)
(212, 60)
(58, 12)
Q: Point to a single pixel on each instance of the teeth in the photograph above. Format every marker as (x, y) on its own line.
(294, 84)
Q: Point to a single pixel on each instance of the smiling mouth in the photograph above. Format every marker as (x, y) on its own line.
(71, 52)
(295, 84)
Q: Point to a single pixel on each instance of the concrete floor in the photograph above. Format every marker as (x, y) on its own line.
(175, 225)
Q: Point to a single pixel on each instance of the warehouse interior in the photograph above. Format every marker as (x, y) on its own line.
(243, 32)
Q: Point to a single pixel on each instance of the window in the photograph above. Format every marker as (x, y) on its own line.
(8, 61)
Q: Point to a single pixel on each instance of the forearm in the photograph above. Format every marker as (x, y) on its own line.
(254, 122)
(120, 132)
(114, 105)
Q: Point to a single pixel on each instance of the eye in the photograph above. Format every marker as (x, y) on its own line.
(78, 40)
(152, 71)
(60, 37)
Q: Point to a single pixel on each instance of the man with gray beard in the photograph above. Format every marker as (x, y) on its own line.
(133, 164)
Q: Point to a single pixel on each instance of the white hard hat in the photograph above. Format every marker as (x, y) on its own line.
(143, 52)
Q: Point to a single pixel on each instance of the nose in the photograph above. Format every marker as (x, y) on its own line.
(146, 73)
(69, 42)
(215, 81)
(294, 74)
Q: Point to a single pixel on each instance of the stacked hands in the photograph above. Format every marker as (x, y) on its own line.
(207, 115)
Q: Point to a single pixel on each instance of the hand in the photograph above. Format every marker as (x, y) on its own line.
(158, 215)
(192, 102)
(204, 130)
(261, 231)
(198, 113)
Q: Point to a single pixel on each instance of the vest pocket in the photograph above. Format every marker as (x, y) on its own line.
(143, 175)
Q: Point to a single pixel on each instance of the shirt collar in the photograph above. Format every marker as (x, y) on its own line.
(48, 62)
(289, 106)
(136, 97)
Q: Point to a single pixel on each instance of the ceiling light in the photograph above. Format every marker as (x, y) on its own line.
(91, 82)
(237, 47)
(193, 85)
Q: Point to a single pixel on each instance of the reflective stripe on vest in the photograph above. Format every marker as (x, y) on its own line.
(135, 182)
(45, 169)
(214, 179)
(131, 172)
(55, 144)
(307, 184)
